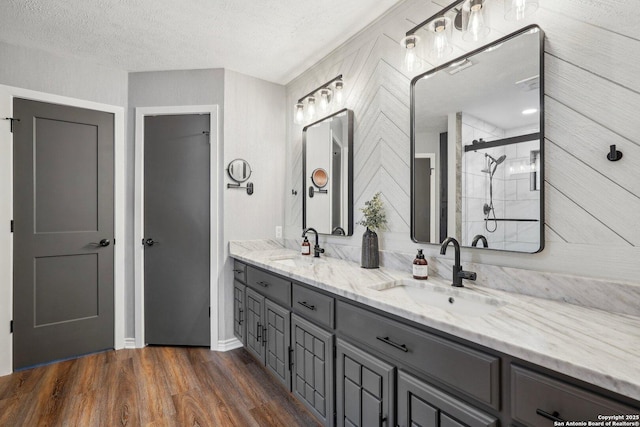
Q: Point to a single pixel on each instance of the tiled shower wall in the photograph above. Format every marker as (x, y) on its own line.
(592, 94)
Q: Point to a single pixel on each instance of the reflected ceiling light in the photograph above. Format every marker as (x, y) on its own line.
(529, 111)
(517, 10)
(327, 94)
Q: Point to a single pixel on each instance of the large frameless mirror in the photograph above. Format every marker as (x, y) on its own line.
(327, 174)
(477, 147)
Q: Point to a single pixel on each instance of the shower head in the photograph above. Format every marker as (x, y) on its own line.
(500, 159)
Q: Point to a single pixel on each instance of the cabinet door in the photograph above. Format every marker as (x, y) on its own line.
(312, 381)
(239, 314)
(420, 404)
(364, 388)
(255, 324)
(277, 339)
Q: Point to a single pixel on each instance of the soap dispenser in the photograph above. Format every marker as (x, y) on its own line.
(420, 267)
(306, 247)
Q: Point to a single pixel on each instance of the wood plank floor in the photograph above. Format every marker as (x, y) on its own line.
(153, 386)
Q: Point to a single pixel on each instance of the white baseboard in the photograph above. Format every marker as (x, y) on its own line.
(130, 343)
(230, 344)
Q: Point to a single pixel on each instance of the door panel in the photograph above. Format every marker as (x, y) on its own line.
(278, 341)
(176, 217)
(239, 315)
(255, 324)
(63, 208)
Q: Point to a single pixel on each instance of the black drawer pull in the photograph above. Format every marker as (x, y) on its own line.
(555, 416)
(386, 340)
(240, 312)
(306, 305)
(263, 284)
(235, 270)
(258, 332)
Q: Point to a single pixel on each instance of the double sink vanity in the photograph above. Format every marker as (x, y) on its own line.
(365, 347)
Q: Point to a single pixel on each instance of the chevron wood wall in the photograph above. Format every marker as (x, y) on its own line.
(592, 99)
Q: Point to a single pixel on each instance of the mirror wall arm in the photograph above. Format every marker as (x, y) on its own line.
(249, 187)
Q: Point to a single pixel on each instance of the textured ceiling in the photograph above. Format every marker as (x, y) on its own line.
(271, 39)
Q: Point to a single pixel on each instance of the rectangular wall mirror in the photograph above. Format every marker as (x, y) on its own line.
(327, 174)
(477, 147)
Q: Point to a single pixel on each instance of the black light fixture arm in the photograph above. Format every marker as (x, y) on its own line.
(440, 14)
(335, 79)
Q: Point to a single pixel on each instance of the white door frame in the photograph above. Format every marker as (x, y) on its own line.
(215, 227)
(7, 94)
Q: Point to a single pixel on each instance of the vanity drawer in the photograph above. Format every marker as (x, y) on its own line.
(313, 305)
(240, 271)
(273, 287)
(536, 399)
(469, 371)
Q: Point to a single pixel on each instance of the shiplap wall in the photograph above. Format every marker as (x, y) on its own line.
(592, 98)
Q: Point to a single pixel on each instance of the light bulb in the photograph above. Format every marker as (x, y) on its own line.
(441, 47)
(324, 99)
(338, 91)
(311, 107)
(411, 60)
(298, 116)
(476, 28)
(517, 10)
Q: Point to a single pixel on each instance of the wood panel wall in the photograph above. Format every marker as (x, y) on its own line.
(592, 99)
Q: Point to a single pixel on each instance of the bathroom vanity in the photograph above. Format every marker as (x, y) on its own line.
(373, 347)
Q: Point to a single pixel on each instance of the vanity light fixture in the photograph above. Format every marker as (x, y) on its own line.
(517, 10)
(468, 16)
(327, 94)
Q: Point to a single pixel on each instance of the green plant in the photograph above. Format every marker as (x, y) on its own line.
(374, 215)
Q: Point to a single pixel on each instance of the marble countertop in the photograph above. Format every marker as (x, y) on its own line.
(595, 346)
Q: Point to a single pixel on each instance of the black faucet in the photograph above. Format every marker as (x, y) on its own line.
(458, 272)
(480, 237)
(317, 250)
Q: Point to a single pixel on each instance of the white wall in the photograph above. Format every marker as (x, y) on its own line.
(254, 129)
(43, 72)
(592, 97)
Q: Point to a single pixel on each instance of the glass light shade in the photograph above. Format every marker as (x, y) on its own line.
(517, 10)
(311, 107)
(337, 94)
(298, 116)
(440, 38)
(411, 46)
(475, 20)
(325, 99)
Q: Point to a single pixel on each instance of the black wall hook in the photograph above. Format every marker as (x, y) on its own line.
(614, 155)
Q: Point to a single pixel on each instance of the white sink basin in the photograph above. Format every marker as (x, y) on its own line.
(458, 300)
(296, 260)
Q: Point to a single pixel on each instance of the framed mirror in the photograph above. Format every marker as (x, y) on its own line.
(477, 152)
(327, 174)
(239, 170)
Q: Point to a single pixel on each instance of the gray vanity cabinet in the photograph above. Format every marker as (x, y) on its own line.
(239, 315)
(364, 388)
(420, 404)
(312, 359)
(268, 335)
(277, 341)
(255, 324)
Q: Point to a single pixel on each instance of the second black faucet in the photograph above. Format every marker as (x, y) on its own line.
(458, 272)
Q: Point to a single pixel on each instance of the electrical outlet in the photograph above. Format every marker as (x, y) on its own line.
(278, 232)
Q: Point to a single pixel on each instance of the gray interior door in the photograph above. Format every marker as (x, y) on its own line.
(176, 229)
(63, 209)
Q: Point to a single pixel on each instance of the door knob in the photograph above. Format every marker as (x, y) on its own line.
(149, 242)
(104, 242)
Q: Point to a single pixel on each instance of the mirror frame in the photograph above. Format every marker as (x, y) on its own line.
(349, 116)
(542, 131)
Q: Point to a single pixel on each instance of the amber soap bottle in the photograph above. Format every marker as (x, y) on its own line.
(420, 267)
